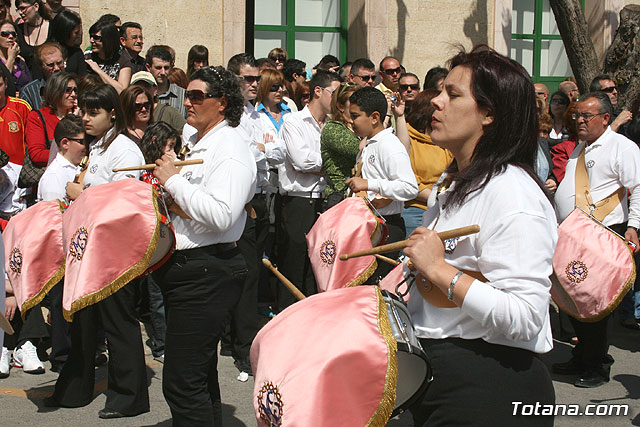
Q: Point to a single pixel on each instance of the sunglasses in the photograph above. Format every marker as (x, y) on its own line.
(392, 71)
(95, 37)
(586, 116)
(609, 89)
(141, 105)
(251, 79)
(276, 87)
(367, 78)
(278, 58)
(412, 86)
(6, 34)
(197, 96)
(23, 9)
(71, 89)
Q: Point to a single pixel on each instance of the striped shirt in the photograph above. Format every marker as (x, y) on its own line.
(32, 93)
(175, 98)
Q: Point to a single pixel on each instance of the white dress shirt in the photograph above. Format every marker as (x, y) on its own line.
(387, 168)
(613, 161)
(214, 193)
(513, 251)
(300, 174)
(251, 130)
(121, 153)
(12, 198)
(53, 183)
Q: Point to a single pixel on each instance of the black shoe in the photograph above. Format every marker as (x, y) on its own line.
(591, 379)
(56, 367)
(572, 367)
(107, 414)
(51, 402)
(630, 324)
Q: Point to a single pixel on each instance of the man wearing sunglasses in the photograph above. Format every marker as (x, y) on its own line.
(295, 73)
(612, 162)
(363, 72)
(408, 87)
(245, 322)
(50, 58)
(389, 71)
(605, 83)
(301, 185)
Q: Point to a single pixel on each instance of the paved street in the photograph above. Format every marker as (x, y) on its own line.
(21, 394)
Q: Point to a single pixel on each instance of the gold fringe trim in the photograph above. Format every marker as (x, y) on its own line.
(388, 402)
(125, 277)
(365, 274)
(37, 298)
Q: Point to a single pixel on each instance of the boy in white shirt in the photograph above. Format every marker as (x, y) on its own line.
(387, 176)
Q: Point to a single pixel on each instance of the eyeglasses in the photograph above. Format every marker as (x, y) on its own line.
(609, 89)
(412, 86)
(6, 34)
(78, 140)
(392, 71)
(71, 89)
(367, 78)
(345, 86)
(276, 87)
(53, 64)
(197, 96)
(95, 37)
(23, 9)
(586, 116)
(251, 79)
(558, 101)
(329, 90)
(141, 105)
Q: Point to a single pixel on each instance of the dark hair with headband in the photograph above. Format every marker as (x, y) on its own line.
(223, 83)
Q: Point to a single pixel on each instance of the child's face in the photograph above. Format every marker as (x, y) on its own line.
(170, 147)
(362, 124)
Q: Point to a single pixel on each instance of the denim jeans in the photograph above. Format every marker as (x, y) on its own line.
(158, 320)
(412, 218)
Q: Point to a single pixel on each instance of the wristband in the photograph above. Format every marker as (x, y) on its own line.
(453, 284)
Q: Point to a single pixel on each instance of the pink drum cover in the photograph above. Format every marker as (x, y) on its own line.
(394, 277)
(328, 360)
(593, 268)
(34, 254)
(349, 226)
(110, 233)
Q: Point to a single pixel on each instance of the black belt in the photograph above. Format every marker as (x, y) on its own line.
(204, 251)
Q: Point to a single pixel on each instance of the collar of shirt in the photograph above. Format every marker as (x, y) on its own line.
(204, 143)
(598, 142)
(306, 115)
(64, 162)
(171, 93)
(282, 106)
(379, 136)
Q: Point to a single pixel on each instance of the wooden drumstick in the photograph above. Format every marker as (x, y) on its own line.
(396, 246)
(286, 282)
(387, 260)
(152, 166)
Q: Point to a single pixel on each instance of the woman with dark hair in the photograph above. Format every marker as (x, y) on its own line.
(66, 29)
(12, 63)
(60, 99)
(105, 59)
(137, 107)
(272, 110)
(339, 145)
(492, 317)
(434, 78)
(127, 393)
(5, 10)
(279, 56)
(202, 281)
(428, 160)
(178, 77)
(32, 31)
(558, 103)
(197, 58)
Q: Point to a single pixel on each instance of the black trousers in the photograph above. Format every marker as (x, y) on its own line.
(294, 218)
(60, 328)
(476, 382)
(32, 328)
(201, 287)
(127, 391)
(397, 232)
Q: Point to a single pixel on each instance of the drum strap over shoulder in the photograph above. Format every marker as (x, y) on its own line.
(583, 194)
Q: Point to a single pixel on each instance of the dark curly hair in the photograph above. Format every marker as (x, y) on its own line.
(155, 139)
(223, 83)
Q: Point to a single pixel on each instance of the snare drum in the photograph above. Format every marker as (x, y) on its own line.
(414, 369)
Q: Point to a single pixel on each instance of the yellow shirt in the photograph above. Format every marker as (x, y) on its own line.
(428, 162)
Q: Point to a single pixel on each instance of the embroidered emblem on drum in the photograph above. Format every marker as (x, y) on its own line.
(328, 252)
(78, 243)
(188, 175)
(451, 244)
(93, 169)
(372, 159)
(13, 127)
(576, 272)
(270, 404)
(590, 163)
(15, 261)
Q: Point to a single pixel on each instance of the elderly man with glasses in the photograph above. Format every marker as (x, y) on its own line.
(50, 58)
